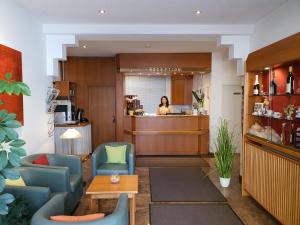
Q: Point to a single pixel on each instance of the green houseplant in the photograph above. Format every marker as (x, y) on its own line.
(11, 146)
(224, 152)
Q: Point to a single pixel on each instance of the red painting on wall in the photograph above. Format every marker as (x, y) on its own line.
(11, 62)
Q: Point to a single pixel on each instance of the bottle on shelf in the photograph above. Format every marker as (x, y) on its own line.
(273, 85)
(282, 136)
(292, 135)
(290, 82)
(256, 86)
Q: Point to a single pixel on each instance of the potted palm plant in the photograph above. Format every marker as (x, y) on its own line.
(11, 146)
(224, 152)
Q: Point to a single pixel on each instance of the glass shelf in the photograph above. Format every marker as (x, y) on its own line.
(271, 96)
(273, 118)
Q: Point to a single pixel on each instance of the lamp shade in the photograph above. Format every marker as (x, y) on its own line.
(70, 133)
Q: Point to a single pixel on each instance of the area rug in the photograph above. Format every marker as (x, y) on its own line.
(174, 161)
(182, 185)
(193, 214)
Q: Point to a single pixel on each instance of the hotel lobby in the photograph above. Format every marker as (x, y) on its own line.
(150, 112)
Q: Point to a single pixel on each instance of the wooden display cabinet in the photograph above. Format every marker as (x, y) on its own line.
(181, 90)
(271, 162)
(67, 90)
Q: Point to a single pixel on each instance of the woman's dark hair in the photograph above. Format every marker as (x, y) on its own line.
(167, 103)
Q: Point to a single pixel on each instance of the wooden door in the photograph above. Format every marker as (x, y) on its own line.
(102, 114)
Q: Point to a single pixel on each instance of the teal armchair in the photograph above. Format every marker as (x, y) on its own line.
(38, 190)
(70, 167)
(54, 207)
(99, 159)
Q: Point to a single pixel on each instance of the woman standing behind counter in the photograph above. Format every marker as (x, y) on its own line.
(164, 106)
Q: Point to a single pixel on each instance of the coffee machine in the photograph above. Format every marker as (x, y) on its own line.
(65, 108)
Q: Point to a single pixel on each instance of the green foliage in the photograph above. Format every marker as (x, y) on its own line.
(13, 87)
(11, 147)
(18, 213)
(225, 148)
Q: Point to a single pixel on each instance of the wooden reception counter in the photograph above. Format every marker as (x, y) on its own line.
(168, 135)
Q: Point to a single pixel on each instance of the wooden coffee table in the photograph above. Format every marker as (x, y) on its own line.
(102, 188)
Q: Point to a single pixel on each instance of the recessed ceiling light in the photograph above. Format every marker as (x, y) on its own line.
(198, 12)
(84, 46)
(267, 68)
(101, 11)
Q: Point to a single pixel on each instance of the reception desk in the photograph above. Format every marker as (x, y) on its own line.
(168, 135)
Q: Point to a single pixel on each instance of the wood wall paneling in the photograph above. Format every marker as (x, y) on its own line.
(102, 112)
(88, 72)
(274, 182)
(119, 106)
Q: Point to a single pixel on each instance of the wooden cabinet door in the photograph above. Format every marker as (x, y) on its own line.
(188, 87)
(181, 90)
(177, 90)
(102, 107)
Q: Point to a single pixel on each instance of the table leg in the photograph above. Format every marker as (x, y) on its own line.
(132, 210)
(99, 205)
(93, 205)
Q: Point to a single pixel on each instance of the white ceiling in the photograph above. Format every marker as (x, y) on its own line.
(151, 11)
(105, 46)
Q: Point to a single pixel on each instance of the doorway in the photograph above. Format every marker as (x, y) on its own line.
(102, 107)
(232, 111)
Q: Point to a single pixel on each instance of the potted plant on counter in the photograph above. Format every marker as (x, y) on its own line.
(224, 152)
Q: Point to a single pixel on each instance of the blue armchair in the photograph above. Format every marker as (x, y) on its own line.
(99, 159)
(70, 167)
(38, 191)
(53, 207)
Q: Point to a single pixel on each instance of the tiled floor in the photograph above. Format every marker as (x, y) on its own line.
(246, 208)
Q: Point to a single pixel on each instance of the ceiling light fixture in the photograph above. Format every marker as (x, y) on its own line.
(267, 68)
(101, 11)
(198, 12)
(84, 46)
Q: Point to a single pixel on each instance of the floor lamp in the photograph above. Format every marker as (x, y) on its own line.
(71, 134)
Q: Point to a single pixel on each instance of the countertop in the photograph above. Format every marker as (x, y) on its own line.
(72, 125)
(166, 116)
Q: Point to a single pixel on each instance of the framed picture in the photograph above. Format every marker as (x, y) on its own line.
(258, 107)
(11, 62)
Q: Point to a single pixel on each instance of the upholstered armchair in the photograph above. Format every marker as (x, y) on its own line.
(53, 207)
(41, 186)
(70, 167)
(101, 167)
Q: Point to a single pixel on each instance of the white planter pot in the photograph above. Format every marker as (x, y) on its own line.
(224, 182)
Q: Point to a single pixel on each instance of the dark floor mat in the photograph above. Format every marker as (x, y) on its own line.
(182, 185)
(193, 214)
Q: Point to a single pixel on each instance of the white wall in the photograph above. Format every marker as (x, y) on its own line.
(279, 24)
(223, 72)
(20, 31)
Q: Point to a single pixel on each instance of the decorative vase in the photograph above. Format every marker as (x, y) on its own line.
(224, 182)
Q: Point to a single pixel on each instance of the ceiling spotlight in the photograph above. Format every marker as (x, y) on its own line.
(101, 11)
(84, 46)
(267, 68)
(198, 12)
